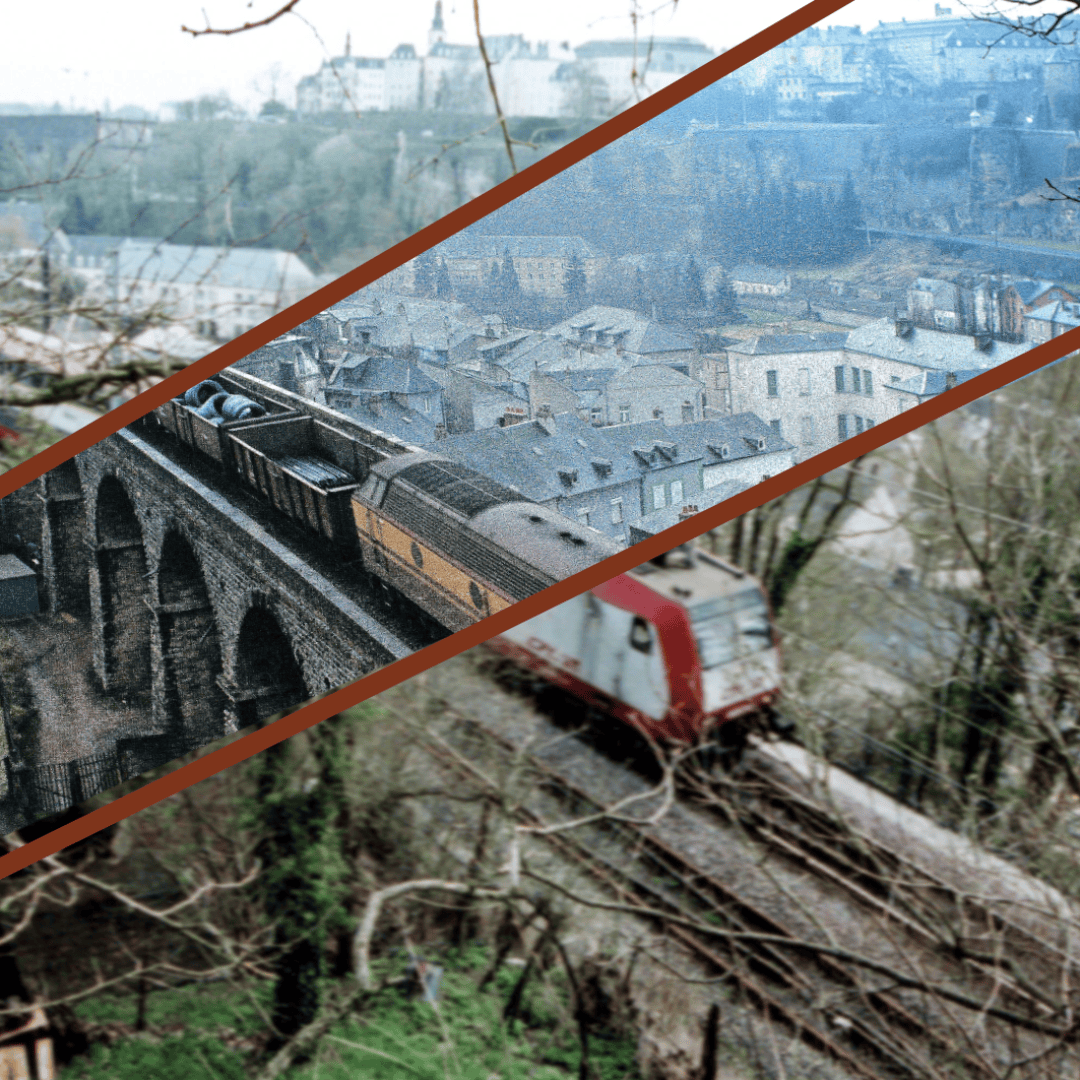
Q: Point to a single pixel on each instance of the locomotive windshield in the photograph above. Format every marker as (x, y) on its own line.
(730, 627)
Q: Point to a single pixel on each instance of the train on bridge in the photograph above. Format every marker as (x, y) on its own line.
(682, 649)
(458, 544)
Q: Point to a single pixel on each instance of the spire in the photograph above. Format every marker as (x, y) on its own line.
(437, 33)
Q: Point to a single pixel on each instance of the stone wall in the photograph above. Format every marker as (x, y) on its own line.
(193, 605)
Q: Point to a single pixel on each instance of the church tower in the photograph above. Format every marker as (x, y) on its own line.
(437, 33)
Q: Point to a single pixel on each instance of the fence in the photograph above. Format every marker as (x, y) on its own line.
(35, 791)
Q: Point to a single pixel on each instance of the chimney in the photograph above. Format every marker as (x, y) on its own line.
(287, 375)
(687, 512)
(440, 431)
(950, 379)
(546, 419)
(904, 328)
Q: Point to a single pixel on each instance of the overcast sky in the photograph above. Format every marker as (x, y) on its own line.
(133, 51)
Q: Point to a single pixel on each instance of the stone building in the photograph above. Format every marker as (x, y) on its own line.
(819, 389)
(541, 262)
(631, 396)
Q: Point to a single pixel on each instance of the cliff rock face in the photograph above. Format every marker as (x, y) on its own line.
(994, 165)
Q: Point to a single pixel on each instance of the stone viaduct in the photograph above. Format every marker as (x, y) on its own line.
(201, 608)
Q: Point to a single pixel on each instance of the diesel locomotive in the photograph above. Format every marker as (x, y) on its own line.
(457, 543)
(681, 648)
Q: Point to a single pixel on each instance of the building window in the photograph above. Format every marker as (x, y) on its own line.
(869, 423)
(658, 413)
(775, 425)
(856, 386)
(804, 380)
(772, 384)
(858, 424)
(868, 383)
(687, 412)
(841, 427)
(624, 414)
(839, 371)
(676, 492)
(806, 431)
(658, 499)
(427, 404)
(616, 512)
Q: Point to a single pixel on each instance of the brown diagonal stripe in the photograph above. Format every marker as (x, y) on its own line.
(391, 675)
(419, 242)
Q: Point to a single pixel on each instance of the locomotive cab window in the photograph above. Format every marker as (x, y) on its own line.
(640, 635)
(731, 627)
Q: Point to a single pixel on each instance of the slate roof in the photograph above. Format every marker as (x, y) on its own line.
(655, 375)
(928, 384)
(505, 342)
(540, 352)
(437, 326)
(1058, 313)
(642, 335)
(583, 381)
(13, 568)
(1029, 290)
(530, 456)
(929, 348)
(381, 374)
(241, 268)
(770, 344)
(415, 428)
(470, 245)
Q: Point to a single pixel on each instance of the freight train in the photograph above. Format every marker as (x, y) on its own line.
(681, 648)
(458, 544)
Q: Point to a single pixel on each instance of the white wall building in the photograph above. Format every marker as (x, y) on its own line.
(544, 80)
(816, 390)
(218, 292)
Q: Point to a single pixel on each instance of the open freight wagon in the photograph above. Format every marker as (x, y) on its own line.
(306, 468)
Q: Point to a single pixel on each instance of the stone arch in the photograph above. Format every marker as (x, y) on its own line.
(125, 594)
(190, 644)
(66, 568)
(268, 678)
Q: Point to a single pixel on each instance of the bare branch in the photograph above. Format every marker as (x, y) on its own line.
(284, 10)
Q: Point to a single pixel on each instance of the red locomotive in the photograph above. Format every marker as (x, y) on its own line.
(676, 648)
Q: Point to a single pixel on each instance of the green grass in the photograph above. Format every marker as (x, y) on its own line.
(395, 1038)
(190, 1056)
(207, 1008)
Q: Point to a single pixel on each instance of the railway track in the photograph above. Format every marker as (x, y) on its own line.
(874, 1034)
(777, 810)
